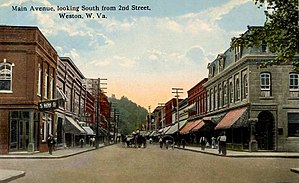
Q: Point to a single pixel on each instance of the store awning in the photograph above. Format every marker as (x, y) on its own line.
(214, 119)
(198, 126)
(174, 128)
(189, 126)
(165, 129)
(88, 130)
(71, 126)
(234, 119)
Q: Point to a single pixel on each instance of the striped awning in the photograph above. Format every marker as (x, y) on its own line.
(234, 119)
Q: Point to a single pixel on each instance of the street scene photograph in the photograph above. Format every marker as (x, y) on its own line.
(155, 91)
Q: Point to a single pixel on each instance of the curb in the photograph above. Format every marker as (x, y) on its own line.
(6, 179)
(242, 156)
(295, 170)
(49, 157)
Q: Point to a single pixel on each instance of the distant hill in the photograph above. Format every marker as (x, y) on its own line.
(131, 115)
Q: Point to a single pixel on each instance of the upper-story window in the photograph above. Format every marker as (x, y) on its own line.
(219, 97)
(231, 92)
(39, 80)
(51, 87)
(225, 94)
(212, 99)
(237, 89)
(5, 77)
(238, 52)
(265, 80)
(245, 89)
(294, 84)
(46, 83)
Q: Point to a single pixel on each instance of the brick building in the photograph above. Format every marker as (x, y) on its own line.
(28, 76)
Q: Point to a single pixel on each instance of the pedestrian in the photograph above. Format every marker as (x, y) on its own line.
(203, 142)
(93, 141)
(183, 142)
(161, 143)
(222, 143)
(81, 142)
(51, 142)
(213, 143)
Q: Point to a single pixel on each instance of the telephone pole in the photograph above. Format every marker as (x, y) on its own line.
(100, 90)
(177, 91)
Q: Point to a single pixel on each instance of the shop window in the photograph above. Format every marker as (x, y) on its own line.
(5, 77)
(293, 124)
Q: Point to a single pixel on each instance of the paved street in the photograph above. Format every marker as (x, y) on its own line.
(118, 164)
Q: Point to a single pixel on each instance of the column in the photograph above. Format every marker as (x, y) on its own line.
(252, 142)
(31, 132)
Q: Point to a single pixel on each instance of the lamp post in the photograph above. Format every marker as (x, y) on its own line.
(100, 90)
(177, 91)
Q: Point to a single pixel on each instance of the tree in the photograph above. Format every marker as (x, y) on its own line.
(280, 31)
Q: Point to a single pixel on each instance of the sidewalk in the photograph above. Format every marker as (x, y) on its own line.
(246, 154)
(9, 175)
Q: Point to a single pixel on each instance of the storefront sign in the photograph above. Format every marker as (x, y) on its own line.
(48, 105)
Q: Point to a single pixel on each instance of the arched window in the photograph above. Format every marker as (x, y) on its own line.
(238, 92)
(231, 92)
(245, 90)
(225, 95)
(265, 80)
(294, 84)
(5, 77)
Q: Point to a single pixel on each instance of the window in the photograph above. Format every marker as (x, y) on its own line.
(238, 92)
(245, 86)
(46, 84)
(5, 77)
(238, 52)
(293, 124)
(294, 81)
(51, 87)
(215, 97)
(225, 95)
(265, 80)
(220, 97)
(39, 80)
(231, 92)
(212, 100)
(294, 84)
(44, 128)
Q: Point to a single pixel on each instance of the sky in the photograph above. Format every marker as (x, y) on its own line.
(143, 54)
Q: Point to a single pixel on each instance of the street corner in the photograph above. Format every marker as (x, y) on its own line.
(295, 170)
(9, 175)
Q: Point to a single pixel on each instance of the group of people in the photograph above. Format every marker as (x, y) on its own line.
(221, 139)
(136, 140)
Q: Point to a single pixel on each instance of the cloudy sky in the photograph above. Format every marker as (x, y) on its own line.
(143, 54)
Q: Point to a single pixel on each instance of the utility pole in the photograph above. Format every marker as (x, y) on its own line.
(149, 117)
(100, 90)
(162, 111)
(177, 91)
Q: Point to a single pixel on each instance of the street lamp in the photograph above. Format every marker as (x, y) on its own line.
(100, 90)
(177, 91)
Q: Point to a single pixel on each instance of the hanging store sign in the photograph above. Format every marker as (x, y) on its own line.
(48, 105)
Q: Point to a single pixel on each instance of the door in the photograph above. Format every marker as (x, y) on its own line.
(264, 131)
(23, 134)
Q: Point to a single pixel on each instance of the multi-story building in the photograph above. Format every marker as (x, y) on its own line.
(27, 76)
(169, 107)
(72, 110)
(257, 107)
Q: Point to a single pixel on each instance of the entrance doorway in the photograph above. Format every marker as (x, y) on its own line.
(19, 130)
(264, 130)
